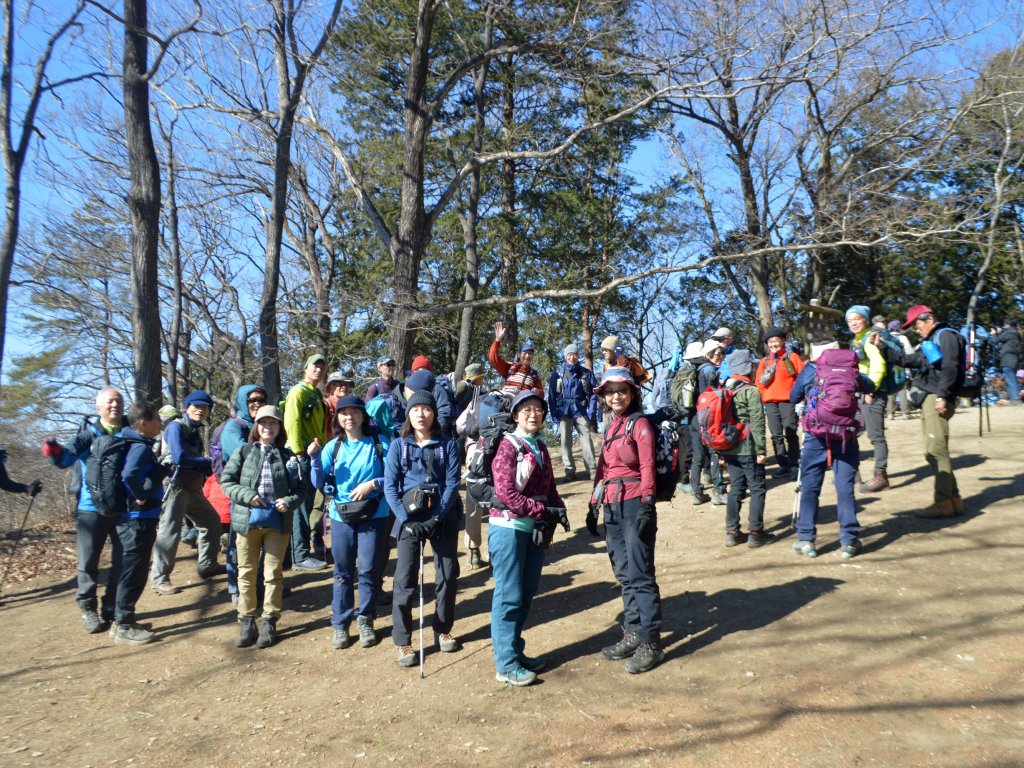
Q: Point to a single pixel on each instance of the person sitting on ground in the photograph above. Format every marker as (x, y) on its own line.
(745, 461)
(872, 365)
(518, 375)
(841, 454)
(572, 404)
(421, 483)
(519, 531)
(724, 337)
(940, 373)
(262, 480)
(1007, 340)
(92, 528)
(704, 457)
(352, 468)
(775, 376)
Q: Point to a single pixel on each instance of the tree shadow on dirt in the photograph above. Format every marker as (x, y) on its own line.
(13, 599)
(924, 471)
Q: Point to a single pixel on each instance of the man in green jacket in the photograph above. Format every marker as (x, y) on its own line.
(305, 427)
(745, 461)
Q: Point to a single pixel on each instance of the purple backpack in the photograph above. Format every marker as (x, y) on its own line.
(833, 411)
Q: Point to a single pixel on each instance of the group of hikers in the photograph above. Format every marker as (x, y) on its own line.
(383, 472)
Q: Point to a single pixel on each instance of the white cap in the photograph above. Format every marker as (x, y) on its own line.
(693, 350)
(710, 346)
(721, 333)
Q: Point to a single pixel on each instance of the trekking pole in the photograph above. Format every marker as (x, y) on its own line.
(421, 610)
(796, 492)
(17, 541)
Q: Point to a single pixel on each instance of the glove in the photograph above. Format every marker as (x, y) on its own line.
(52, 449)
(646, 520)
(34, 488)
(592, 518)
(543, 533)
(422, 531)
(558, 516)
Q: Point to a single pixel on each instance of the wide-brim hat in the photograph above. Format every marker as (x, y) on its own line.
(616, 375)
(694, 350)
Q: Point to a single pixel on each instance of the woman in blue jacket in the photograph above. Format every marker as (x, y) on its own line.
(421, 483)
(352, 476)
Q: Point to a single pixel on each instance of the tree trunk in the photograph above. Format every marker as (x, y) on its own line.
(508, 211)
(9, 242)
(175, 252)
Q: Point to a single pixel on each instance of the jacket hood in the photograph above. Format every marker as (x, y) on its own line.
(131, 434)
(242, 402)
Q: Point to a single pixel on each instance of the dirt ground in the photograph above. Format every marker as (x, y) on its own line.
(910, 654)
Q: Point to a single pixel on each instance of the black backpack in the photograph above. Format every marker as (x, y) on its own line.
(494, 420)
(103, 473)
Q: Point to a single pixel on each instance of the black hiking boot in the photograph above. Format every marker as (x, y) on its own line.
(623, 649)
(645, 659)
(732, 538)
(759, 539)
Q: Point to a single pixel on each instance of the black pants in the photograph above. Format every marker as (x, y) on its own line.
(93, 531)
(703, 458)
(383, 555)
(782, 423)
(685, 454)
(137, 539)
(745, 474)
(633, 565)
(445, 546)
(874, 420)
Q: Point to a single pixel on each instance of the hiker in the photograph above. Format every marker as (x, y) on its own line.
(871, 364)
(184, 497)
(467, 389)
(168, 413)
(93, 529)
(684, 396)
(615, 357)
(421, 484)
(445, 397)
(520, 528)
(745, 461)
(775, 376)
(829, 384)
(572, 405)
(895, 329)
(352, 470)
(940, 374)
(143, 478)
(474, 377)
(624, 490)
(306, 431)
(6, 484)
(338, 385)
(704, 458)
(262, 480)
(724, 337)
(1007, 341)
(387, 383)
(518, 375)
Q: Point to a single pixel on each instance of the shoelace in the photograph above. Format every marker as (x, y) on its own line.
(406, 650)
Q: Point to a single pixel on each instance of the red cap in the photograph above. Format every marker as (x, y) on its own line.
(422, 361)
(915, 312)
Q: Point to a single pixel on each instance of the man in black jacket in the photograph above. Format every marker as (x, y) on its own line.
(705, 458)
(1008, 342)
(940, 365)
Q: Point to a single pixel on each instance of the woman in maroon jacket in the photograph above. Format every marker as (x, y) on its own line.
(624, 484)
(525, 510)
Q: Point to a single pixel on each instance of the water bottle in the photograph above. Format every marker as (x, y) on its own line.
(294, 472)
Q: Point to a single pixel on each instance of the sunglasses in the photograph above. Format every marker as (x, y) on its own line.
(609, 392)
(260, 400)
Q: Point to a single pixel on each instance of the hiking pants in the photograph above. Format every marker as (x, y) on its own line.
(782, 423)
(93, 530)
(354, 548)
(383, 556)
(685, 454)
(1012, 388)
(745, 474)
(178, 504)
(874, 419)
(565, 428)
(935, 430)
(633, 565)
(300, 517)
(317, 517)
(271, 544)
(813, 466)
(137, 538)
(516, 563)
(904, 397)
(474, 519)
(703, 458)
(445, 546)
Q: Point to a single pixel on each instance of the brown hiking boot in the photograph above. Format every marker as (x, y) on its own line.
(937, 510)
(166, 589)
(958, 505)
(879, 482)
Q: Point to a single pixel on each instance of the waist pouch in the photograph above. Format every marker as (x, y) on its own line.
(356, 512)
(420, 500)
(916, 396)
(191, 479)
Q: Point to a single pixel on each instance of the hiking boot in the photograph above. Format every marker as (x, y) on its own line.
(583, 476)
(718, 498)
(91, 621)
(732, 538)
(310, 564)
(794, 472)
(247, 633)
(190, 536)
(958, 505)
(447, 643)
(623, 649)
(805, 548)
(131, 634)
(341, 639)
(699, 497)
(166, 589)
(937, 510)
(645, 659)
(384, 598)
(684, 488)
(781, 471)
(534, 665)
(476, 560)
(367, 637)
(879, 482)
(570, 477)
(406, 657)
(759, 539)
(268, 633)
(853, 548)
(519, 677)
(214, 570)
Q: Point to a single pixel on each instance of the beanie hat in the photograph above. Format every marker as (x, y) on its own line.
(769, 334)
(741, 363)
(422, 397)
(421, 380)
(572, 349)
(199, 397)
(693, 350)
(710, 346)
(422, 361)
(610, 343)
(859, 309)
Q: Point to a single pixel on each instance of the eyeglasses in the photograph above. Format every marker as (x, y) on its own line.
(534, 410)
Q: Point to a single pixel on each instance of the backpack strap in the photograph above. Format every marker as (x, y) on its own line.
(630, 423)
(378, 447)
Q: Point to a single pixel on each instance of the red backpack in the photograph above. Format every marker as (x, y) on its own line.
(717, 418)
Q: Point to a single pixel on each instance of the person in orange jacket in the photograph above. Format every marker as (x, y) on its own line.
(518, 375)
(776, 374)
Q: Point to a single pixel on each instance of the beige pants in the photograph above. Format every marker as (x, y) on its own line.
(474, 517)
(274, 544)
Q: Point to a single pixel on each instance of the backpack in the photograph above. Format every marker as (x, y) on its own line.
(833, 411)
(972, 368)
(666, 451)
(446, 383)
(490, 423)
(485, 406)
(387, 411)
(716, 418)
(216, 452)
(103, 473)
(895, 376)
(684, 387)
(661, 395)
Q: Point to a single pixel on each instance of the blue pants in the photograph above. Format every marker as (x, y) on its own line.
(516, 564)
(633, 565)
(354, 548)
(813, 465)
(1012, 388)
